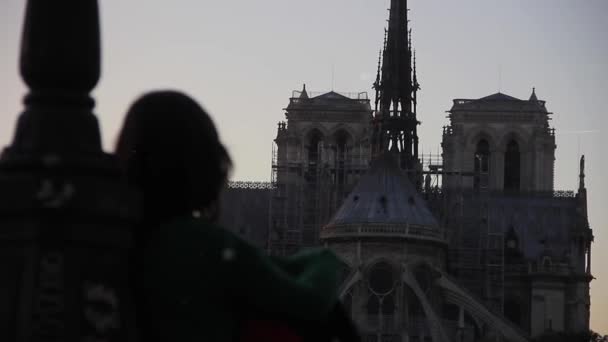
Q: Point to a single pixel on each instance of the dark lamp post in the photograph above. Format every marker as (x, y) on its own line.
(65, 217)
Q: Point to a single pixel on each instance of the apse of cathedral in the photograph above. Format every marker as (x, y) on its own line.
(472, 245)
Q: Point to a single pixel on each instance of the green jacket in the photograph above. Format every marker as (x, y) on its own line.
(200, 280)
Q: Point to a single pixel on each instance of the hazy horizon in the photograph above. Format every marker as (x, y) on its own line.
(242, 59)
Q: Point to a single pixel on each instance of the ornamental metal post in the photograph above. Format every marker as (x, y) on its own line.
(65, 218)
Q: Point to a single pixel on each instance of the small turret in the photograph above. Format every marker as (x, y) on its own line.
(582, 194)
(281, 131)
(533, 96)
(304, 94)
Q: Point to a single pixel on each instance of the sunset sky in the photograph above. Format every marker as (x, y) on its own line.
(241, 60)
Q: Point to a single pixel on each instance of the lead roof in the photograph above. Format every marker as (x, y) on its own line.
(384, 196)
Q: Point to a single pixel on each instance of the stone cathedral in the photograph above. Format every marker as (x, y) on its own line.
(472, 245)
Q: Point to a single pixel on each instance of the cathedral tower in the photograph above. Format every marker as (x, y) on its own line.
(506, 143)
(321, 151)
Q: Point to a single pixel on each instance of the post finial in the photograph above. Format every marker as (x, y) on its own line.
(60, 64)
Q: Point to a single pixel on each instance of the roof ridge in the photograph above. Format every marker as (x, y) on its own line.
(499, 97)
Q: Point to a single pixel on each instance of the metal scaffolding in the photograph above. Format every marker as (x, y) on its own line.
(307, 193)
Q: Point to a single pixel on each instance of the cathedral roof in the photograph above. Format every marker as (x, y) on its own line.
(305, 101)
(541, 222)
(332, 95)
(384, 196)
(499, 97)
(501, 102)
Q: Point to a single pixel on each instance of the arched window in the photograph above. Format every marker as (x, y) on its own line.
(512, 166)
(482, 165)
(341, 138)
(381, 279)
(314, 141)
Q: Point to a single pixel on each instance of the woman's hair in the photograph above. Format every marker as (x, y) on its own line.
(168, 148)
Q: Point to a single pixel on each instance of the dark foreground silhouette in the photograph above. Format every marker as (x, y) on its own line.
(192, 279)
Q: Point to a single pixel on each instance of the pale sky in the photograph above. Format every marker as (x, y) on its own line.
(241, 60)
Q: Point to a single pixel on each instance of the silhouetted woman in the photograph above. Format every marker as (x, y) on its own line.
(193, 280)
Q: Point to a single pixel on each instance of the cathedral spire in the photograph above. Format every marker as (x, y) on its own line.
(409, 40)
(415, 76)
(581, 175)
(395, 122)
(377, 82)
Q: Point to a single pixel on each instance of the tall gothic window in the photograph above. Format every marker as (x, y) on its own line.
(512, 166)
(381, 283)
(314, 141)
(341, 143)
(341, 139)
(315, 138)
(482, 165)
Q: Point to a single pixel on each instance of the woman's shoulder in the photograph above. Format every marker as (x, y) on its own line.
(315, 255)
(188, 227)
(190, 235)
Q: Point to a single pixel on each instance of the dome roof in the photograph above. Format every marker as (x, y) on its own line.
(384, 196)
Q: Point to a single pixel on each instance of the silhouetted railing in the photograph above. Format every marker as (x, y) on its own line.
(508, 193)
(251, 185)
(384, 230)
